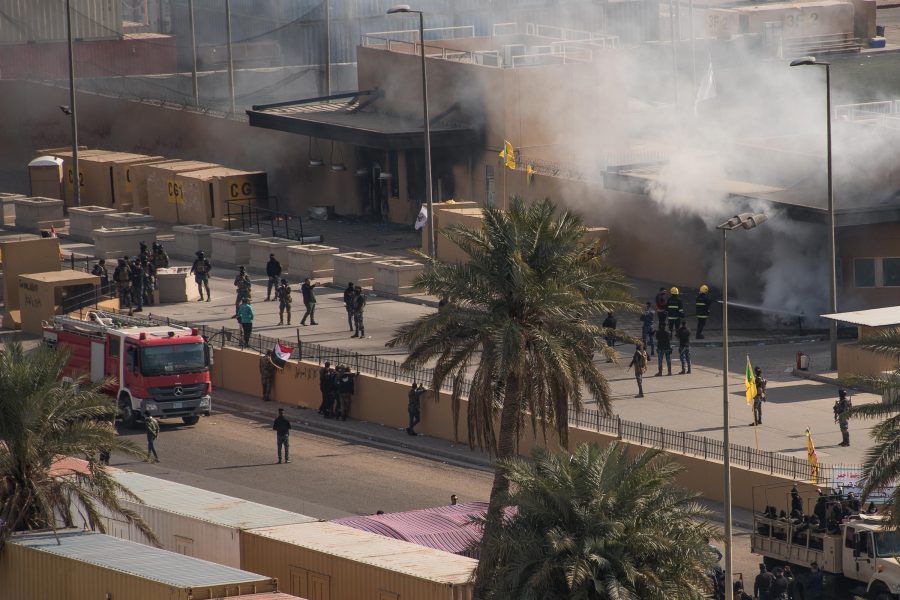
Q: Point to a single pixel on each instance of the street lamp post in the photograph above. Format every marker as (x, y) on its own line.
(404, 8)
(76, 180)
(832, 277)
(742, 221)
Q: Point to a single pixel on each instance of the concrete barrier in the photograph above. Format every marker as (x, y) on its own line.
(231, 248)
(34, 214)
(261, 248)
(83, 220)
(384, 402)
(311, 260)
(175, 284)
(127, 219)
(122, 241)
(396, 275)
(191, 238)
(356, 267)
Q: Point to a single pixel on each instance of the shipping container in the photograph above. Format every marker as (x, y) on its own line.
(193, 521)
(45, 20)
(82, 565)
(139, 174)
(211, 195)
(156, 193)
(90, 184)
(326, 560)
(96, 175)
(123, 180)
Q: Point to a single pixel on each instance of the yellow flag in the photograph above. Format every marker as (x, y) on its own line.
(750, 383)
(812, 458)
(508, 155)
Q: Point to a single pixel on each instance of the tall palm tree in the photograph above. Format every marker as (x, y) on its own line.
(522, 312)
(881, 468)
(597, 525)
(42, 419)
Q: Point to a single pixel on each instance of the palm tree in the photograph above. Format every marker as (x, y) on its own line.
(881, 468)
(44, 418)
(597, 525)
(520, 313)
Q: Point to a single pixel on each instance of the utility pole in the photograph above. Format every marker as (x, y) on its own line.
(194, 83)
(327, 70)
(76, 180)
(230, 59)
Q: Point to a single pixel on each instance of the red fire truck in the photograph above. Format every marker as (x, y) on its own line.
(160, 370)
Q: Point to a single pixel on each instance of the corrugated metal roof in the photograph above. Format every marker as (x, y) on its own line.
(206, 506)
(876, 317)
(370, 548)
(139, 560)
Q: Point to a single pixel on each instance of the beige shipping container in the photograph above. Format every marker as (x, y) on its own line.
(82, 565)
(98, 176)
(45, 20)
(88, 180)
(201, 523)
(227, 188)
(162, 195)
(139, 174)
(327, 561)
(123, 180)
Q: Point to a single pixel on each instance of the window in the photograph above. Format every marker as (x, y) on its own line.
(850, 538)
(864, 272)
(890, 272)
(114, 343)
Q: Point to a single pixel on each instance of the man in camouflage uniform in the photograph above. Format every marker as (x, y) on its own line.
(267, 375)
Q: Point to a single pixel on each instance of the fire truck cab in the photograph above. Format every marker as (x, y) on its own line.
(153, 369)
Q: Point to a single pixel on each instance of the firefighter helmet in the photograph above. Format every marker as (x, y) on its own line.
(704, 289)
(674, 291)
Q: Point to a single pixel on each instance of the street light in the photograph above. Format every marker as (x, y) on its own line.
(76, 180)
(404, 8)
(832, 279)
(741, 221)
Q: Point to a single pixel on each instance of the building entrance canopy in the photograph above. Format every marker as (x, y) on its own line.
(345, 118)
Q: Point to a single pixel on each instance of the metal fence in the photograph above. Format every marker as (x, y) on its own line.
(651, 436)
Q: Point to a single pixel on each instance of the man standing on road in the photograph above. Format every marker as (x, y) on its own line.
(273, 272)
(359, 305)
(639, 362)
(345, 385)
(674, 309)
(200, 270)
(814, 584)
(414, 407)
(350, 303)
(325, 379)
(841, 417)
(765, 581)
(267, 375)
(282, 428)
(309, 301)
(152, 433)
(684, 347)
(243, 288)
(609, 324)
(245, 318)
(102, 272)
(663, 350)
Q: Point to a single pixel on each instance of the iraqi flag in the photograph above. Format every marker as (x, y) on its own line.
(280, 355)
(422, 218)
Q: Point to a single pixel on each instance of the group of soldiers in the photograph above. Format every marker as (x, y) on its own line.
(134, 278)
(337, 387)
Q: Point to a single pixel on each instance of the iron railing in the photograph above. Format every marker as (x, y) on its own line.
(267, 221)
(650, 436)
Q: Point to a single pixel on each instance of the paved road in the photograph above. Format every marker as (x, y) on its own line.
(327, 478)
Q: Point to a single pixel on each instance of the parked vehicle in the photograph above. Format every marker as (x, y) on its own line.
(863, 551)
(161, 370)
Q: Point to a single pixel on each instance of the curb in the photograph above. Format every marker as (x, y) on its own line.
(338, 432)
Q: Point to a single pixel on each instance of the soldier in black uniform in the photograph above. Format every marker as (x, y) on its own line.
(137, 283)
(760, 396)
(200, 270)
(122, 277)
(841, 417)
(349, 303)
(160, 258)
(702, 307)
(326, 386)
(273, 272)
(102, 272)
(283, 295)
(243, 288)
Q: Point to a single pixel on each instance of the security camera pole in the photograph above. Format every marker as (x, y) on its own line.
(76, 180)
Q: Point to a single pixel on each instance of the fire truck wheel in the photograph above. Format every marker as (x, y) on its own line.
(191, 420)
(129, 419)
